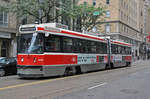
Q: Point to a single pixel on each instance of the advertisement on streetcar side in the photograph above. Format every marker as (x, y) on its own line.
(86, 59)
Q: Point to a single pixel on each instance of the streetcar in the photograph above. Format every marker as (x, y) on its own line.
(45, 50)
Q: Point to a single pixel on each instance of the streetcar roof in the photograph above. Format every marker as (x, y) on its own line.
(49, 28)
(121, 43)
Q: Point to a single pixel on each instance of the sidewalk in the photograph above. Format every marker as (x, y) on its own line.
(140, 61)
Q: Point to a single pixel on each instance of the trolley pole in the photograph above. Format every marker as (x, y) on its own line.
(109, 51)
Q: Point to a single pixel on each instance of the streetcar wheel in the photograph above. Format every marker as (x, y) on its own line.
(2, 72)
(129, 64)
(68, 71)
(112, 66)
(107, 66)
(78, 70)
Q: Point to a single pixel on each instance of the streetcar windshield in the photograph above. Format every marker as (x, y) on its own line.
(31, 43)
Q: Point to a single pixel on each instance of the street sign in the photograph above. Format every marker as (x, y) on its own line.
(96, 13)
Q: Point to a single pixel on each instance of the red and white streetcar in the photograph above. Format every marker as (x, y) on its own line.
(45, 50)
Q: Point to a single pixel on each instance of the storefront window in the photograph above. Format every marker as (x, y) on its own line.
(4, 49)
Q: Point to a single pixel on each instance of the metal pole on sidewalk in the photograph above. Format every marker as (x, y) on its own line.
(145, 47)
(40, 12)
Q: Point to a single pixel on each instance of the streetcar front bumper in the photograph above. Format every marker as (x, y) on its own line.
(30, 71)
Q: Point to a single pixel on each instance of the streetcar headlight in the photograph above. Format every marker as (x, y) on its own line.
(34, 60)
(22, 59)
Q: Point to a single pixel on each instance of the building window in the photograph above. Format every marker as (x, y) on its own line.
(141, 30)
(107, 27)
(94, 2)
(141, 13)
(124, 29)
(4, 49)
(85, 3)
(3, 19)
(107, 13)
(107, 1)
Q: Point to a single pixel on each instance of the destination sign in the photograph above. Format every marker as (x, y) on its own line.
(28, 29)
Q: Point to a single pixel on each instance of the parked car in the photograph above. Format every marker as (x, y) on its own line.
(8, 66)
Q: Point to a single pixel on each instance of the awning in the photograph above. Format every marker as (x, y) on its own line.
(5, 35)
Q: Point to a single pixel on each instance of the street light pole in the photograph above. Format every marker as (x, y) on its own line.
(40, 12)
(145, 47)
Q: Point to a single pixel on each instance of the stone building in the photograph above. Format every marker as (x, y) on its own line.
(124, 20)
(8, 30)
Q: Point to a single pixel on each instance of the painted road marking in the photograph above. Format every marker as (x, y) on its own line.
(97, 86)
(33, 83)
(45, 81)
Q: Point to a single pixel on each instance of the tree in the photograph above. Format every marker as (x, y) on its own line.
(42, 10)
(87, 15)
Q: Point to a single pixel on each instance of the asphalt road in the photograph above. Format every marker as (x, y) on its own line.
(132, 86)
(121, 83)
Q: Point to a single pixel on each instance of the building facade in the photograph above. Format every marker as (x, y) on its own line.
(124, 20)
(8, 30)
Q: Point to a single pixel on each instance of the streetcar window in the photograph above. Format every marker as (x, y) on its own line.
(80, 46)
(55, 43)
(104, 48)
(128, 50)
(84, 48)
(118, 49)
(93, 47)
(24, 42)
(98, 48)
(77, 45)
(67, 44)
(123, 50)
(114, 49)
(36, 46)
(52, 43)
(30, 43)
(101, 48)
